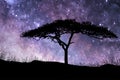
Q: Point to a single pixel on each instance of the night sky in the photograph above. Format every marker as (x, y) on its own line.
(17, 16)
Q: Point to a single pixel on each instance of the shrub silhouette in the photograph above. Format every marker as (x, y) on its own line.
(57, 28)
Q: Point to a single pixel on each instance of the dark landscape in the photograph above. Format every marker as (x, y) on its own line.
(54, 69)
(73, 31)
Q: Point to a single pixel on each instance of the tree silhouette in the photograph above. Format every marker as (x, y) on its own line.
(57, 28)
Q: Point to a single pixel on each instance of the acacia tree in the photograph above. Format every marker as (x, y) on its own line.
(56, 29)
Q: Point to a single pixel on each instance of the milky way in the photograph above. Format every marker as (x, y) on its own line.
(17, 16)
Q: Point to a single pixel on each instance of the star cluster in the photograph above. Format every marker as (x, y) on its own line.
(17, 16)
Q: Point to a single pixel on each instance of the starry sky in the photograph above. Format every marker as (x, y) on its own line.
(17, 16)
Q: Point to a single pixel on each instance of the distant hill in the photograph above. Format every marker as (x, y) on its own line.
(55, 69)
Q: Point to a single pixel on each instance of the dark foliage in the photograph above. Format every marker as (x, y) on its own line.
(70, 26)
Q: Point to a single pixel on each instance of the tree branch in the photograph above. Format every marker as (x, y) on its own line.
(61, 43)
(63, 47)
(69, 42)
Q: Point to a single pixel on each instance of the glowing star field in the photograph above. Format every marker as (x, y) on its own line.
(17, 16)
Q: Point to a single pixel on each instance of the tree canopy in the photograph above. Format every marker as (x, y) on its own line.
(60, 27)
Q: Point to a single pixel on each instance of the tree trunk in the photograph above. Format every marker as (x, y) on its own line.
(66, 56)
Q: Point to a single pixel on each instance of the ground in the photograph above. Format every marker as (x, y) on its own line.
(54, 69)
